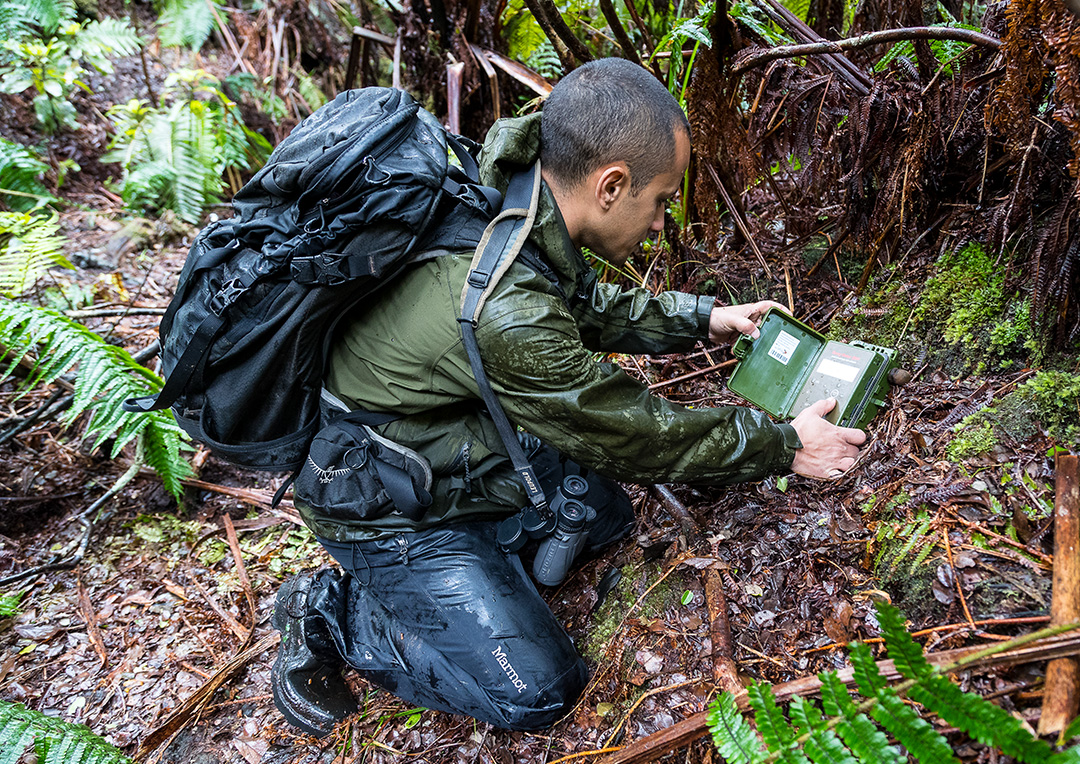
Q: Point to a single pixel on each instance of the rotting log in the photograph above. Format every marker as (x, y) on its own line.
(1061, 697)
(683, 733)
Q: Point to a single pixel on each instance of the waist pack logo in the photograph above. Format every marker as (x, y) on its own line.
(327, 476)
(366, 475)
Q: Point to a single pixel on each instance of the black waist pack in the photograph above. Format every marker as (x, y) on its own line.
(353, 473)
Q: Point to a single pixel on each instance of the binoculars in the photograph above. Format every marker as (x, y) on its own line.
(563, 532)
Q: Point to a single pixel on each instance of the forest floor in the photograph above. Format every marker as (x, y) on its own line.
(161, 603)
(164, 609)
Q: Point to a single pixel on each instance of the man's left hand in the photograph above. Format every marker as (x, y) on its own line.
(727, 323)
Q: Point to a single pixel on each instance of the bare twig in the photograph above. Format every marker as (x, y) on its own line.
(755, 58)
(550, 13)
(61, 561)
(738, 218)
(199, 699)
(839, 63)
(693, 374)
(241, 572)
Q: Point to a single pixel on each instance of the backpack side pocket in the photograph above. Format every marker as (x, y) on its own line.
(353, 473)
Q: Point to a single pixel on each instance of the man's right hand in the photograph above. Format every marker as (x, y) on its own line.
(828, 451)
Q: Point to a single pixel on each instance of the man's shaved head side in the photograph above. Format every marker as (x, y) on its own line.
(607, 111)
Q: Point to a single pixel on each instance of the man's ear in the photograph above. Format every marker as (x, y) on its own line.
(612, 183)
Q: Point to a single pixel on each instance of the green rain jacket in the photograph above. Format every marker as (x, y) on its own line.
(405, 354)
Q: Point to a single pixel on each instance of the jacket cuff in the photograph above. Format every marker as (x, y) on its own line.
(791, 444)
(704, 312)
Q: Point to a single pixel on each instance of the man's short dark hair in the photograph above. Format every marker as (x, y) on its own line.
(606, 111)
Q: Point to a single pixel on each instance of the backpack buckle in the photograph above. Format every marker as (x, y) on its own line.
(226, 296)
(324, 268)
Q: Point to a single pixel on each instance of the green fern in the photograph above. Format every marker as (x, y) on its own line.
(54, 740)
(174, 156)
(186, 22)
(905, 538)
(9, 604)
(107, 375)
(846, 735)
(29, 246)
(21, 170)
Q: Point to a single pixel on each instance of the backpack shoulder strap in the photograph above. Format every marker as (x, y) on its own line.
(501, 243)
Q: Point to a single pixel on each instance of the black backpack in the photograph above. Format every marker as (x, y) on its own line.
(358, 191)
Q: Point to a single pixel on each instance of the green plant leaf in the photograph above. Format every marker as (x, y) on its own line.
(866, 741)
(914, 732)
(774, 728)
(107, 376)
(732, 735)
(54, 740)
(29, 246)
(905, 652)
(981, 719)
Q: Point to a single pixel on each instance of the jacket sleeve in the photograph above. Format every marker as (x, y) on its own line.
(614, 320)
(597, 415)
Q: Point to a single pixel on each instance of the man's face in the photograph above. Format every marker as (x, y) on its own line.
(632, 218)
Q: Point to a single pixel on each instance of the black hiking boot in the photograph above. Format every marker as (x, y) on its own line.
(310, 693)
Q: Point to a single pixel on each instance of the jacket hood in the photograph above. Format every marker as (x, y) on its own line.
(512, 145)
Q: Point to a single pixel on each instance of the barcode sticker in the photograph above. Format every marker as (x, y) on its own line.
(783, 347)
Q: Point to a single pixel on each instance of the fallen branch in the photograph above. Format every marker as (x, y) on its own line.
(198, 699)
(750, 59)
(838, 62)
(692, 374)
(1061, 698)
(1029, 649)
(61, 561)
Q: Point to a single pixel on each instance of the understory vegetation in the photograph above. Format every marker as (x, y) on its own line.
(915, 186)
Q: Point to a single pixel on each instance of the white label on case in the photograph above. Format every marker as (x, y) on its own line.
(783, 347)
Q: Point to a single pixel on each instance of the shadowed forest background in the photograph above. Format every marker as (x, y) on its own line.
(913, 183)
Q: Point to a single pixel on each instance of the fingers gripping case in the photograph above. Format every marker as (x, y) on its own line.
(791, 366)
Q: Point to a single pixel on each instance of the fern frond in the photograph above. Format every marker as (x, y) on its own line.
(21, 188)
(49, 14)
(982, 720)
(866, 741)
(309, 90)
(54, 740)
(731, 734)
(29, 246)
(774, 728)
(867, 677)
(186, 22)
(822, 746)
(107, 375)
(906, 653)
(14, 25)
(914, 732)
(108, 37)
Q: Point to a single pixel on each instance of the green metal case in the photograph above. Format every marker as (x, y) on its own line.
(791, 366)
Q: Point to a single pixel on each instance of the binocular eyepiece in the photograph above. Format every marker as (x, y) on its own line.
(563, 532)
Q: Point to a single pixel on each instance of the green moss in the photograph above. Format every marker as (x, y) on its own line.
(1055, 396)
(619, 602)
(971, 441)
(1050, 400)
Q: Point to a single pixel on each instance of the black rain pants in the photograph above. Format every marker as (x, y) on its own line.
(446, 620)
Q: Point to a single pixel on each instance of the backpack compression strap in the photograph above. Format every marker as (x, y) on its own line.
(501, 243)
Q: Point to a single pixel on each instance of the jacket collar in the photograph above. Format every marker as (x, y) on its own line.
(513, 144)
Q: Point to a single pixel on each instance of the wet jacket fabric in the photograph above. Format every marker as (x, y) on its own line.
(538, 334)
